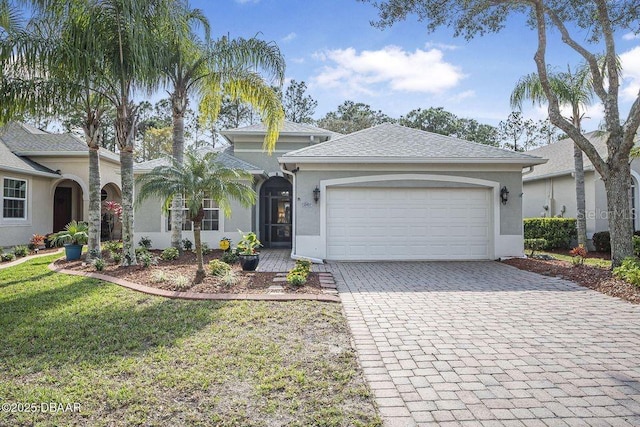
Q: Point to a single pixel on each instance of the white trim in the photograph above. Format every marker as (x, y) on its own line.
(495, 210)
(29, 172)
(28, 203)
(407, 159)
(77, 180)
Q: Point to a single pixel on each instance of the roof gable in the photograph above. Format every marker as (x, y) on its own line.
(560, 155)
(225, 157)
(23, 139)
(389, 141)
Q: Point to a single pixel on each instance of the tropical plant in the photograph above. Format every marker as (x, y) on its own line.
(9, 256)
(187, 244)
(170, 254)
(145, 242)
(21, 251)
(587, 28)
(248, 244)
(199, 178)
(99, 264)
(218, 268)
(576, 90)
(213, 71)
(74, 233)
(230, 257)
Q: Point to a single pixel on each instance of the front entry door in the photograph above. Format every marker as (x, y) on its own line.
(61, 208)
(275, 213)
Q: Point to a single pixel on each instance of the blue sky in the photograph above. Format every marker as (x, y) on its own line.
(331, 45)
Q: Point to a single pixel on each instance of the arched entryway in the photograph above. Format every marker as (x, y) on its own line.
(276, 213)
(68, 205)
(111, 225)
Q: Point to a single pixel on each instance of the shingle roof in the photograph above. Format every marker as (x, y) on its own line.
(225, 156)
(394, 142)
(21, 138)
(287, 128)
(13, 163)
(560, 155)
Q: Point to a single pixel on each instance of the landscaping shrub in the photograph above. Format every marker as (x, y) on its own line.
(147, 260)
(636, 245)
(535, 245)
(230, 257)
(21, 251)
(159, 276)
(218, 268)
(181, 282)
(629, 271)
(117, 257)
(145, 242)
(98, 264)
(9, 256)
(187, 244)
(112, 246)
(579, 253)
(141, 251)
(602, 241)
(170, 253)
(558, 232)
(205, 248)
(230, 278)
(297, 276)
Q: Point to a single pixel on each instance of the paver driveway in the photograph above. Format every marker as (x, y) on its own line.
(482, 343)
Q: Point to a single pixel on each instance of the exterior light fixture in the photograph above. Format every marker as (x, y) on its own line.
(316, 194)
(504, 195)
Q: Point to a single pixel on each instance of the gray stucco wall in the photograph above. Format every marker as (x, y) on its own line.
(308, 212)
(148, 215)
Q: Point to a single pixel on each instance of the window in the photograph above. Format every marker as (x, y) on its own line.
(14, 199)
(210, 222)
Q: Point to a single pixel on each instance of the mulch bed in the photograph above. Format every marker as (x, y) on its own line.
(596, 278)
(254, 282)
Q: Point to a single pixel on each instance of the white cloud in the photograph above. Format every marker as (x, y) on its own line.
(246, 1)
(392, 67)
(463, 95)
(630, 61)
(289, 37)
(297, 60)
(442, 46)
(631, 36)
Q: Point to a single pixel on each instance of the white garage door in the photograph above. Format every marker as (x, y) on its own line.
(408, 224)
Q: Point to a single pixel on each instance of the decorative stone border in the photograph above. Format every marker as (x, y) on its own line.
(333, 297)
(27, 258)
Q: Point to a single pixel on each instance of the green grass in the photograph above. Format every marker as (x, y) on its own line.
(133, 359)
(595, 262)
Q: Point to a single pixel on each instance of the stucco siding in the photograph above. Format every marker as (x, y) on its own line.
(240, 219)
(148, 215)
(39, 212)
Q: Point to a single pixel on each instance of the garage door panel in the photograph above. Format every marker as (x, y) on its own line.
(387, 223)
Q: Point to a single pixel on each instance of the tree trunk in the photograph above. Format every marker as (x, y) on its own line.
(197, 226)
(581, 219)
(95, 210)
(178, 104)
(619, 212)
(126, 177)
(125, 123)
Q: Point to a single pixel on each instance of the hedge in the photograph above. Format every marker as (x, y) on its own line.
(558, 232)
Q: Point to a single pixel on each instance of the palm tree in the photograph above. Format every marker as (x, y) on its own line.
(211, 71)
(573, 89)
(198, 178)
(47, 70)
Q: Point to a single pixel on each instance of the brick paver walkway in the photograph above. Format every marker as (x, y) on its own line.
(482, 343)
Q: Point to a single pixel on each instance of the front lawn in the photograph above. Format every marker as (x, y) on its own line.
(132, 359)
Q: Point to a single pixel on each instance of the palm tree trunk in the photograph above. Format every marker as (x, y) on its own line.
(581, 219)
(126, 176)
(125, 123)
(95, 222)
(178, 107)
(197, 226)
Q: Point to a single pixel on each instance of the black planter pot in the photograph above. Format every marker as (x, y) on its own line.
(249, 262)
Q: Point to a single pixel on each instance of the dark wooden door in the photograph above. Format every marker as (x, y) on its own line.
(61, 208)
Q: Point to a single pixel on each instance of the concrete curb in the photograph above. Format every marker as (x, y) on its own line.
(197, 295)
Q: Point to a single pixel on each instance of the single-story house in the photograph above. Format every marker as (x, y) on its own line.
(549, 189)
(383, 193)
(45, 181)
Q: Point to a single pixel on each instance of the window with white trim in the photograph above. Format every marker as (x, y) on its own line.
(210, 222)
(14, 198)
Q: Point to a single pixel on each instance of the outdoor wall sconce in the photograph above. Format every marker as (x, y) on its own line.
(504, 195)
(316, 194)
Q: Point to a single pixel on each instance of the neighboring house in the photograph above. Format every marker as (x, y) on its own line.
(550, 189)
(384, 193)
(45, 180)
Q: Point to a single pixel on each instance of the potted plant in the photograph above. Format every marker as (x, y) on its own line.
(248, 251)
(74, 235)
